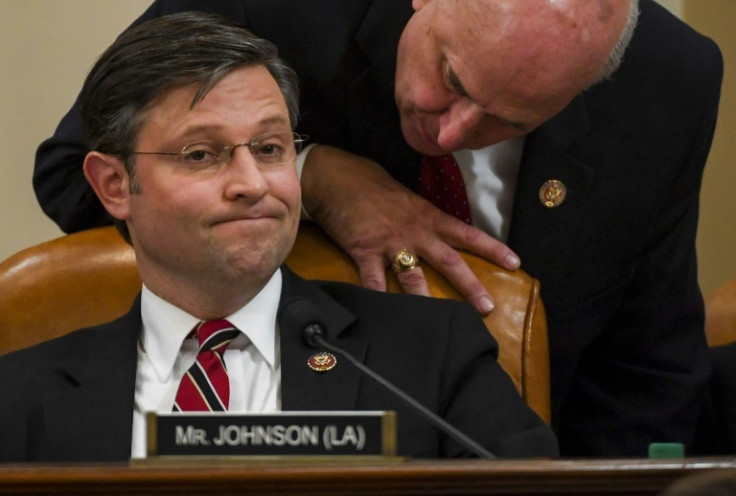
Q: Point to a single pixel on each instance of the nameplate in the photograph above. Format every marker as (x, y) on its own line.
(282, 434)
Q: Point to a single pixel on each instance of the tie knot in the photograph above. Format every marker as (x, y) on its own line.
(215, 335)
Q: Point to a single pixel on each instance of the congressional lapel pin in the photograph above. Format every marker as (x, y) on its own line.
(322, 361)
(552, 193)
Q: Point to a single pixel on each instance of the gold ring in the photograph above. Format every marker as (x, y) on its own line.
(404, 260)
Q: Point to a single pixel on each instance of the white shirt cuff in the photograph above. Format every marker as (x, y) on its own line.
(300, 159)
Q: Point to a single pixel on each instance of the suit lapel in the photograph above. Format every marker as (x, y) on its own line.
(92, 419)
(543, 236)
(303, 388)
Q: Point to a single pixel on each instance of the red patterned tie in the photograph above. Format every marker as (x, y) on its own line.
(441, 182)
(205, 386)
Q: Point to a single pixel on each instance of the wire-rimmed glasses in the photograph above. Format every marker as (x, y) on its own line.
(267, 148)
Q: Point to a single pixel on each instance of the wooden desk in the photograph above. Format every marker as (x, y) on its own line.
(310, 477)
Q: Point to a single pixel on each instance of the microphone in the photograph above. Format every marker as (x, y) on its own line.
(302, 313)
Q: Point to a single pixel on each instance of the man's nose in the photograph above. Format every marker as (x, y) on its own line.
(458, 123)
(245, 177)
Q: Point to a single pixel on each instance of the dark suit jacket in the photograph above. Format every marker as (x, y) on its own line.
(71, 399)
(717, 426)
(617, 260)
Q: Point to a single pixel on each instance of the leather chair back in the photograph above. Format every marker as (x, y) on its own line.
(89, 278)
(720, 315)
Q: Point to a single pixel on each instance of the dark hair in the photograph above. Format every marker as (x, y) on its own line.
(162, 54)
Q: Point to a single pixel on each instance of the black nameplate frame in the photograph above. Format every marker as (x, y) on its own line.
(310, 433)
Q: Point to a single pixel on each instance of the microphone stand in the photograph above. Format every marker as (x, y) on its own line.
(436, 420)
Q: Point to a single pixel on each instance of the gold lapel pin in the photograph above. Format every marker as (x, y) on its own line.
(552, 193)
(322, 361)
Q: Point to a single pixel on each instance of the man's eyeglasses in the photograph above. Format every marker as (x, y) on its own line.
(267, 149)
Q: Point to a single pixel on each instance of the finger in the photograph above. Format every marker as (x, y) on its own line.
(372, 270)
(466, 237)
(451, 264)
(413, 282)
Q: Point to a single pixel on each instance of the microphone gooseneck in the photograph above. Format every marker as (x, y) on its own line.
(301, 313)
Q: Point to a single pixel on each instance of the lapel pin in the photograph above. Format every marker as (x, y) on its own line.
(322, 361)
(552, 193)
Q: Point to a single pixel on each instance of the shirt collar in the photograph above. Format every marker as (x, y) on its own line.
(165, 326)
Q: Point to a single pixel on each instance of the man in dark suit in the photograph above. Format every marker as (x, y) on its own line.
(717, 426)
(189, 121)
(614, 251)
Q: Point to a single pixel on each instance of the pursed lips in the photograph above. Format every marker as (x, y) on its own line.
(244, 218)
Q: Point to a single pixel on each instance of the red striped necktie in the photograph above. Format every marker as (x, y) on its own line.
(206, 386)
(441, 182)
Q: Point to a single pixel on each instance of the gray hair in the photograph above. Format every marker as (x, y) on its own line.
(617, 54)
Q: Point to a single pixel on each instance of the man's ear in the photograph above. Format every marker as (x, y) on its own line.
(418, 4)
(111, 182)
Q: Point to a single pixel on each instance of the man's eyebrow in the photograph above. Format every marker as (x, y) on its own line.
(274, 119)
(216, 127)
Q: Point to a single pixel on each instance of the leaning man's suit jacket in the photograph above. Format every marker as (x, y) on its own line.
(71, 399)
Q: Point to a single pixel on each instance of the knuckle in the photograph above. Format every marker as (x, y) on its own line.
(411, 278)
(470, 233)
(364, 249)
(451, 258)
(373, 282)
(413, 282)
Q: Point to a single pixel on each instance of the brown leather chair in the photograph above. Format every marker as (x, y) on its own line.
(90, 277)
(720, 315)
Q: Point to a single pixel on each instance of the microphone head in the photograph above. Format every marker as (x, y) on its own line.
(301, 315)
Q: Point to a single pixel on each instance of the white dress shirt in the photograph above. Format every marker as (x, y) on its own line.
(253, 359)
(490, 181)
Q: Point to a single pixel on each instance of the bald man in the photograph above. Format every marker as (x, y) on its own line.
(585, 173)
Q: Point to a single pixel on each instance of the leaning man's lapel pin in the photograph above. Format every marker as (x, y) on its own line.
(552, 193)
(322, 361)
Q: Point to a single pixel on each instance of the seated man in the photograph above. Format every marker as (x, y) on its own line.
(189, 119)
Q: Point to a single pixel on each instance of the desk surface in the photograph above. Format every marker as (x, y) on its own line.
(357, 477)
